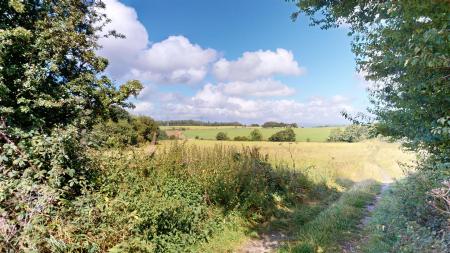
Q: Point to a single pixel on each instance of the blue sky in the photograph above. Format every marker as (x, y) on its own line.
(250, 62)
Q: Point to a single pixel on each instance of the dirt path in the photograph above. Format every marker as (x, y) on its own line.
(265, 243)
(354, 246)
(273, 240)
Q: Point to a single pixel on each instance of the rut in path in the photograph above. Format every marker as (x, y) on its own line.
(266, 243)
(270, 242)
(353, 246)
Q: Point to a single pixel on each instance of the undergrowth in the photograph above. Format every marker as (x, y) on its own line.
(333, 225)
(405, 221)
(179, 198)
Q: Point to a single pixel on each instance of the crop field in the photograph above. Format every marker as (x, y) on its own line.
(313, 134)
(372, 159)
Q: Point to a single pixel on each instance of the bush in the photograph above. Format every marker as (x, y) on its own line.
(405, 220)
(126, 131)
(168, 203)
(256, 135)
(221, 136)
(241, 138)
(352, 133)
(287, 135)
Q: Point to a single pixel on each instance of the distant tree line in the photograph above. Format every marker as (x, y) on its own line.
(197, 123)
(270, 124)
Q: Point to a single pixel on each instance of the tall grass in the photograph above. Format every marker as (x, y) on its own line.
(360, 161)
(173, 201)
(334, 225)
(404, 220)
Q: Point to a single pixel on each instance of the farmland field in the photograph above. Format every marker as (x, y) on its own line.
(314, 134)
(372, 159)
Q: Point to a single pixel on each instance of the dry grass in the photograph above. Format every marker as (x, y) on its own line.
(360, 161)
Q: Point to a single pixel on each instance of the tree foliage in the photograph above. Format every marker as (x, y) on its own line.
(269, 124)
(52, 91)
(403, 47)
(128, 131)
(197, 123)
(287, 135)
(256, 135)
(352, 133)
(222, 136)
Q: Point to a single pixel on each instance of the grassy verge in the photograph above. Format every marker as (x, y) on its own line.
(183, 199)
(336, 223)
(405, 222)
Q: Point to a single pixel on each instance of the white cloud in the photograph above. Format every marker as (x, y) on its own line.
(143, 108)
(259, 88)
(256, 65)
(122, 53)
(212, 103)
(174, 60)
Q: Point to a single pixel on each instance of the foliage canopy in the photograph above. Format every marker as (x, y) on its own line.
(52, 91)
(403, 47)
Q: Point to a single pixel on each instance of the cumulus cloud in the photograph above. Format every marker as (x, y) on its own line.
(259, 88)
(174, 60)
(256, 65)
(122, 52)
(212, 103)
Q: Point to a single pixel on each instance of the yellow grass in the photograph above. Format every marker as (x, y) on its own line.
(373, 159)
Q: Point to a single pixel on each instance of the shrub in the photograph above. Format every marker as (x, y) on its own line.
(405, 221)
(221, 136)
(131, 130)
(256, 135)
(168, 203)
(287, 135)
(241, 138)
(352, 133)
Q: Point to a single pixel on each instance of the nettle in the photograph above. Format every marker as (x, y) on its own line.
(52, 91)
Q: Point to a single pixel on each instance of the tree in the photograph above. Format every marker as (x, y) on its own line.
(221, 136)
(146, 127)
(240, 138)
(52, 91)
(287, 135)
(352, 133)
(256, 135)
(403, 47)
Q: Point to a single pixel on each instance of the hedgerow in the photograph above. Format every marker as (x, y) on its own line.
(166, 203)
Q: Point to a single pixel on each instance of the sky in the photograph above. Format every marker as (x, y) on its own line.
(234, 60)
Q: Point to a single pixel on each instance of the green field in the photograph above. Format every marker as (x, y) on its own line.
(314, 134)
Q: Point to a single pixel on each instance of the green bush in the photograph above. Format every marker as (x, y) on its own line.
(128, 130)
(256, 135)
(241, 138)
(287, 135)
(404, 220)
(352, 133)
(221, 136)
(168, 203)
